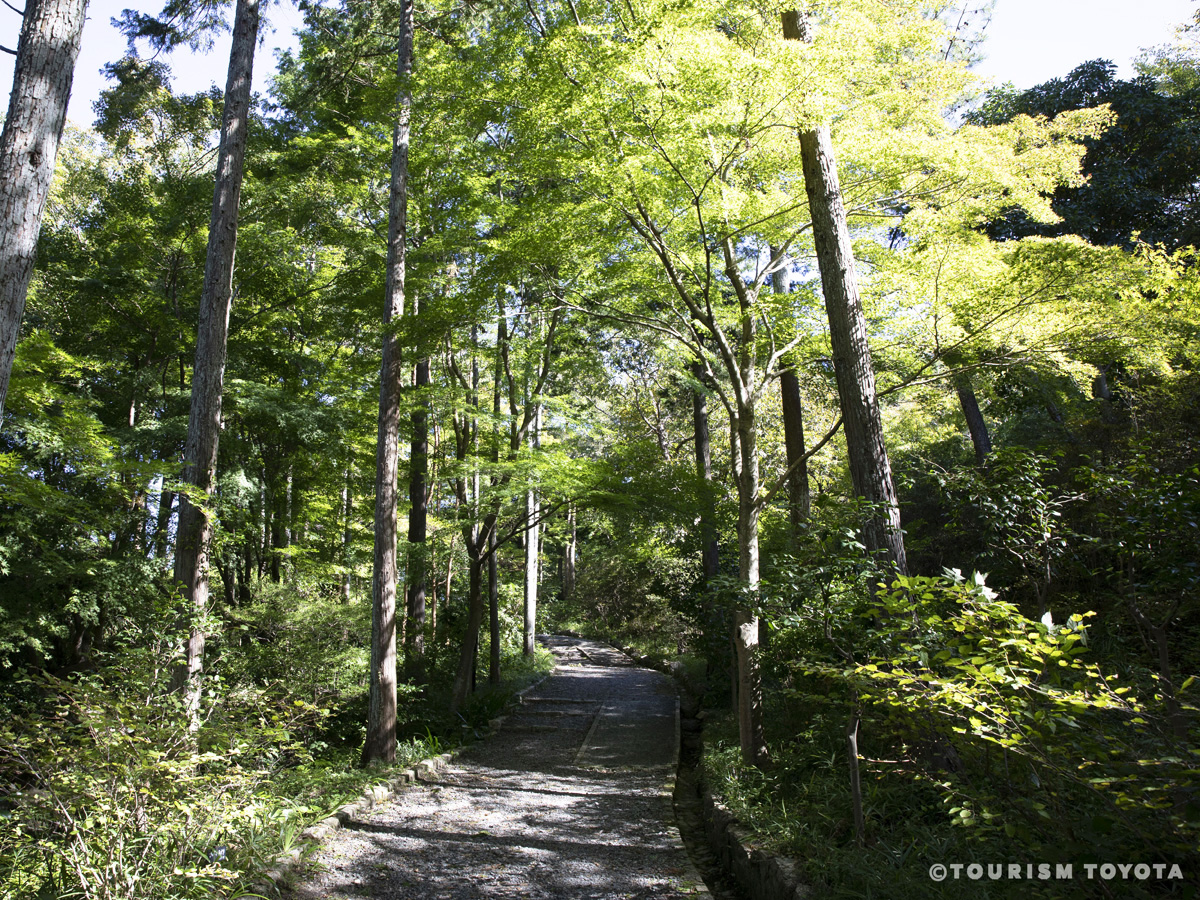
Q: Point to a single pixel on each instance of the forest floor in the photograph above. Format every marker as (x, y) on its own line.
(570, 799)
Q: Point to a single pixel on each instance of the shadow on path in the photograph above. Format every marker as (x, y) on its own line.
(566, 801)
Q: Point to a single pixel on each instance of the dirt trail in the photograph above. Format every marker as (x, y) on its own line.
(568, 800)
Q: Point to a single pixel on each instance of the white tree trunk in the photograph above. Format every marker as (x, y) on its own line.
(532, 551)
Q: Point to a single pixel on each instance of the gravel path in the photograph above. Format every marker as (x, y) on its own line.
(570, 799)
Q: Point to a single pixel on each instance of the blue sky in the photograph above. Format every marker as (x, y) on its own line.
(1029, 41)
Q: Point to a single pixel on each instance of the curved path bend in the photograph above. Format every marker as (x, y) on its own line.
(570, 799)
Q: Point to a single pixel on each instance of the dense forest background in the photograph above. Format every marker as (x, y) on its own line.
(938, 497)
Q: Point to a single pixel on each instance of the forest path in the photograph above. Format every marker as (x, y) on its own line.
(570, 799)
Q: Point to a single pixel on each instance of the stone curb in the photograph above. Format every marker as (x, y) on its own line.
(286, 864)
(762, 875)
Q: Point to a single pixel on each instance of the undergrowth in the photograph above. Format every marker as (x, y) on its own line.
(983, 738)
(108, 791)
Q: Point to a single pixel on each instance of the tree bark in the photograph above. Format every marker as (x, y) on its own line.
(418, 526)
(532, 549)
(708, 527)
(467, 490)
(568, 571)
(856, 797)
(381, 715)
(493, 574)
(194, 534)
(746, 626)
(870, 469)
(243, 575)
(37, 108)
(228, 568)
(464, 678)
(980, 439)
(347, 501)
(493, 611)
(799, 498)
(449, 573)
(289, 521)
(162, 525)
(278, 539)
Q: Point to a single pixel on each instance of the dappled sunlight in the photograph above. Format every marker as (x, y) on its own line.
(565, 801)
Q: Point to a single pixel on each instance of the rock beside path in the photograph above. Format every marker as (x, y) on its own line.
(570, 799)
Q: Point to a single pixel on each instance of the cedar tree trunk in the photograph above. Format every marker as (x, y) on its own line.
(37, 108)
(418, 522)
(194, 533)
(381, 714)
(870, 470)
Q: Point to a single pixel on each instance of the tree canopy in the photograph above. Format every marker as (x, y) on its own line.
(554, 298)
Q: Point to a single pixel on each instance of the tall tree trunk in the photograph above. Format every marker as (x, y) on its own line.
(981, 440)
(493, 608)
(277, 538)
(433, 594)
(194, 534)
(870, 470)
(449, 572)
(381, 715)
(708, 526)
(532, 546)
(746, 643)
(468, 492)
(243, 575)
(568, 569)
(346, 507)
(493, 574)
(464, 678)
(228, 567)
(532, 550)
(418, 525)
(162, 525)
(262, 531)
(289, 521)
(37, 108)
(799, 498)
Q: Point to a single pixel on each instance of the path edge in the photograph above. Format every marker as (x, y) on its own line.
(666, 791)
(761, 875)
(283, 866)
